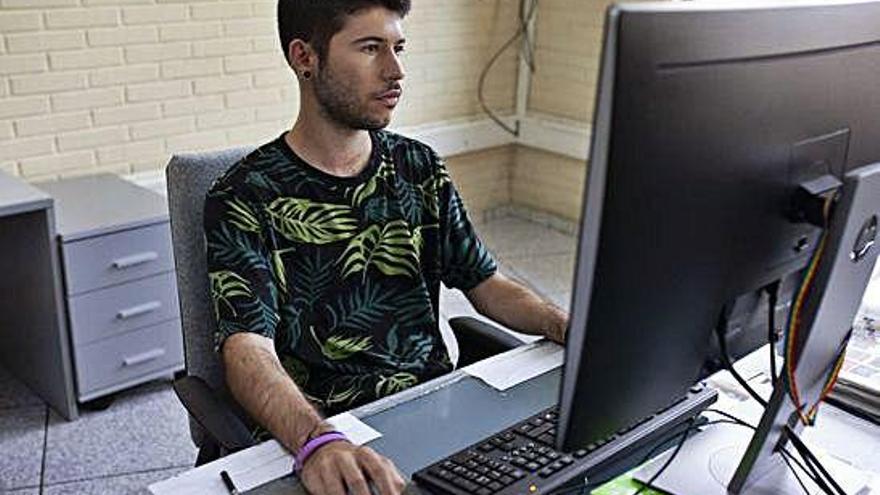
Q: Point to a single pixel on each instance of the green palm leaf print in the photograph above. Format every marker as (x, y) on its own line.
(347, 396)
(388, 385)
(362, 310)
(388, 248)
(225, 285)
(366, 189)
(242, 216)
(339, 347)
(278, 268)
(306, 221)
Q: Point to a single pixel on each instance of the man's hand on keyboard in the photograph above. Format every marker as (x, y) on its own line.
(341, 468)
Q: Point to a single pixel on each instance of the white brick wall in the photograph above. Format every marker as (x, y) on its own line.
(118, 85)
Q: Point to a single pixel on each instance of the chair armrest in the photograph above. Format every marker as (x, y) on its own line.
(212, 413)
(479, 340)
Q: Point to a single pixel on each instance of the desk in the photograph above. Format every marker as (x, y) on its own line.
(418, 424)
(32, 327)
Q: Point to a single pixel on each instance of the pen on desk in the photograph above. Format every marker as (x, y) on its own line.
(228, 482)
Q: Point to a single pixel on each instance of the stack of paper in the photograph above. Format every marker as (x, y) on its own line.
(858, 386)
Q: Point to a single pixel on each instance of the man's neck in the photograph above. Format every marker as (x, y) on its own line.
(331, 149)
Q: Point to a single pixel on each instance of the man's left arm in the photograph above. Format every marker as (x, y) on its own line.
(518, 308)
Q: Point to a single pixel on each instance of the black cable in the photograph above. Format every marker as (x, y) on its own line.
(521, 31)
(668, 461)
(772, 337)
(782, 451)
(810, 458)
(787, 458)
(720, 330)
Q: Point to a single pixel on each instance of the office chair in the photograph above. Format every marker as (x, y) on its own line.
(219, 426)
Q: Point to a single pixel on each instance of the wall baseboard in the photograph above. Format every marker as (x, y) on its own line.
(450, 138)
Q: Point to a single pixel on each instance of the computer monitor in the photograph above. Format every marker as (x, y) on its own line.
(709, 116)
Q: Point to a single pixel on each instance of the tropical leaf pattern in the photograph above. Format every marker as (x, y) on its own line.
(342, 273)
(306, 221)
(388, 248)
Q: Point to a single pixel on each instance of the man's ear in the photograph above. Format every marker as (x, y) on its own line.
(301, 58)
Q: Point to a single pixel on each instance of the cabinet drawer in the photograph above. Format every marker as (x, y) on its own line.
(126, 357)
(106, 312)
(116, 258)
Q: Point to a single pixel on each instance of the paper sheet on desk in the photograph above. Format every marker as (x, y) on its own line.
(505, 370)
(255, 466)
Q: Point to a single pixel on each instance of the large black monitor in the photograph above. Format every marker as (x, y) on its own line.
(708, 119)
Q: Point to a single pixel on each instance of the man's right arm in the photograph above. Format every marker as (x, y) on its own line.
(260, 384)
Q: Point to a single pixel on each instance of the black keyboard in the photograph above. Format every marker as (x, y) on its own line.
(522, 459)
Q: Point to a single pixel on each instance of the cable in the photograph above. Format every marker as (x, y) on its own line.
(787, 458)
(786, 455)
(668, 462)
(810, 458)
(720, 328)
(521, 31)
(772, 337)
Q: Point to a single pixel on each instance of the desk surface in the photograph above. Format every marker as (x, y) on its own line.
(433, 420)
(417, 426)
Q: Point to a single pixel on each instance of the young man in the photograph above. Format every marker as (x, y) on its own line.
(327, 246)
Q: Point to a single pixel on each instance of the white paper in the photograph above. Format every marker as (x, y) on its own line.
(254, 466)
(505, 370)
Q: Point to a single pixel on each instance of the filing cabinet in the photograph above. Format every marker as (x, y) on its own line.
(119, 285)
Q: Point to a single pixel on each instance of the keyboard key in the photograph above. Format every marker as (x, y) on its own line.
(508, 437)
(506, 480)
(547, 438)
(524, 428)
(566, 460)
(556, 466)
(495, 486)
(484, 491)
(542, 461)
(553, 456)
(517, 474)
(545, 473)
(482, 480)
(486, 447)
(533, 466)
(536, 421)
(448, 465)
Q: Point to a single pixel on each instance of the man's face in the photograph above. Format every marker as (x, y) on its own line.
(358, 81)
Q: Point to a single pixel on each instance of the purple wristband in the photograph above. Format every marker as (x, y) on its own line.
(314, 444)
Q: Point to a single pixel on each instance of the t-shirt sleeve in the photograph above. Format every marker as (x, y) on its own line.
(240, 272)
(465, 260)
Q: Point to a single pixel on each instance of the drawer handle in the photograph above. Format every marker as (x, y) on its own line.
(134, 260)
(138, 310)
(143, 357)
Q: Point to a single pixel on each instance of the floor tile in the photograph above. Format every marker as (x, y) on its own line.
(548, 274)
(13, 393)
(510, 236)
(127, 484)
(144, 429)
(22, 431)
(23, 491)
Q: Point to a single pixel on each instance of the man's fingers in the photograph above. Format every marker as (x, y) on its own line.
(351, 473)
(382, 472)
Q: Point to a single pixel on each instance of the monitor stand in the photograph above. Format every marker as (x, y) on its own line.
(841, 277)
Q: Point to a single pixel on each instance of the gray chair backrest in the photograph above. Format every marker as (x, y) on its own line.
(189, 176)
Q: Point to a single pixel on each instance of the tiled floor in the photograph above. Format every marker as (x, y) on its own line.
(143, 436)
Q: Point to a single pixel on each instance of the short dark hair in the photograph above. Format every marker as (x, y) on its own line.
(316, 21)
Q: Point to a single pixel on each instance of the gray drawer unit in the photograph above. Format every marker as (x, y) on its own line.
(107, 312)
(118, 274)
(117, 258)
(128, 359)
